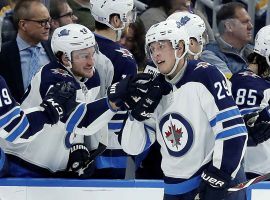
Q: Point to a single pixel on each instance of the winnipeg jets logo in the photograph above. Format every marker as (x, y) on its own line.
(183, 21)
(177, 134)
(61, 72)
(64, 32)
(174, 134)
(249, 73)
(202, 64)
(125, 53)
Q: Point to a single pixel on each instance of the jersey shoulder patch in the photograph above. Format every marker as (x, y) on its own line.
(249, 73)
(125, 53)
(61, 72)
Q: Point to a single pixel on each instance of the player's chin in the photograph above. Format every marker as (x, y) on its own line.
(88, 73)
(162, 68)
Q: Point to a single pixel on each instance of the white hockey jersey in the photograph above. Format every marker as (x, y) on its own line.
(195, 124)
(50, 149)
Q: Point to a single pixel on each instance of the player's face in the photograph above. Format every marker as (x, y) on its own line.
(163, 55)
(83, 62)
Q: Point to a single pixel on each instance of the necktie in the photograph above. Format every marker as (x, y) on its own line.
(34, 63)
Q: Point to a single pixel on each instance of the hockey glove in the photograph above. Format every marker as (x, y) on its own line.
(214, 184)
(127, 92)
(149, 102)
(79, 164)
(258, 130)
(60, 101)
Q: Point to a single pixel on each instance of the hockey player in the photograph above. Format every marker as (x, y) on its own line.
(111, 17)
(251, 90)
(19, 127)
(198, 125)
(75, 48)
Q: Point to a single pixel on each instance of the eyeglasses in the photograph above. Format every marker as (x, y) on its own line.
(42, 22)
(69, 14)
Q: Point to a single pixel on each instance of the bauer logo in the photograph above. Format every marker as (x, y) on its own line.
(177, 134)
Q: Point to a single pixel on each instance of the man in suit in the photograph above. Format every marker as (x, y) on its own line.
(20, 59)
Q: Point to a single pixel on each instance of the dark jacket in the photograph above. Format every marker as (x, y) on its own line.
(10, 67)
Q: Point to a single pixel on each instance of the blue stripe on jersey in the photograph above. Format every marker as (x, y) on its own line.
(183, 187)
(109, 162)
(232, 122)
(149, 127)
(231, 132)
(148, 141)
(75, 119)
(19, 130)
(117, 126)
(15, 112)
(2, 160)
(249, 110)
(226, 114)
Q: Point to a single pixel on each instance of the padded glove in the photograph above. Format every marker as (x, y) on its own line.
(214, 184)
(60, 101)
(79, 163)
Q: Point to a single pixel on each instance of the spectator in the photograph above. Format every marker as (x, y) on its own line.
(159, 10)
(4, 5)
(61, 14)
(133, 38)
(111, 16)
(8, 29)
(235, 29)
(250, 89)
(22, 57)
(81, 9)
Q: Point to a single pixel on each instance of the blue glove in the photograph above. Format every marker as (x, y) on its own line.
(60, 101)
(127, 92)
(79, 163)
(149, 102)
(258, 129)
(214, 184)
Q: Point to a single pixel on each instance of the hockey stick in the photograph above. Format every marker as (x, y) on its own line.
(245, 185)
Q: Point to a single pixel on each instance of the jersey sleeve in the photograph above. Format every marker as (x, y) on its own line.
(136, 136)
(225, 119)
(17, 125)
(90, 118)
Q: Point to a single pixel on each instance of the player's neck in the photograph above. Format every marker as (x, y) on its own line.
(108, 33)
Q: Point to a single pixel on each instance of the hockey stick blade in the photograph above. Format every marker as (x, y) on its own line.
(249, 182)
(245, 185)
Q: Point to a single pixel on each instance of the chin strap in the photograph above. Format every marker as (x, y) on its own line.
(196, 55)
(176, 62)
